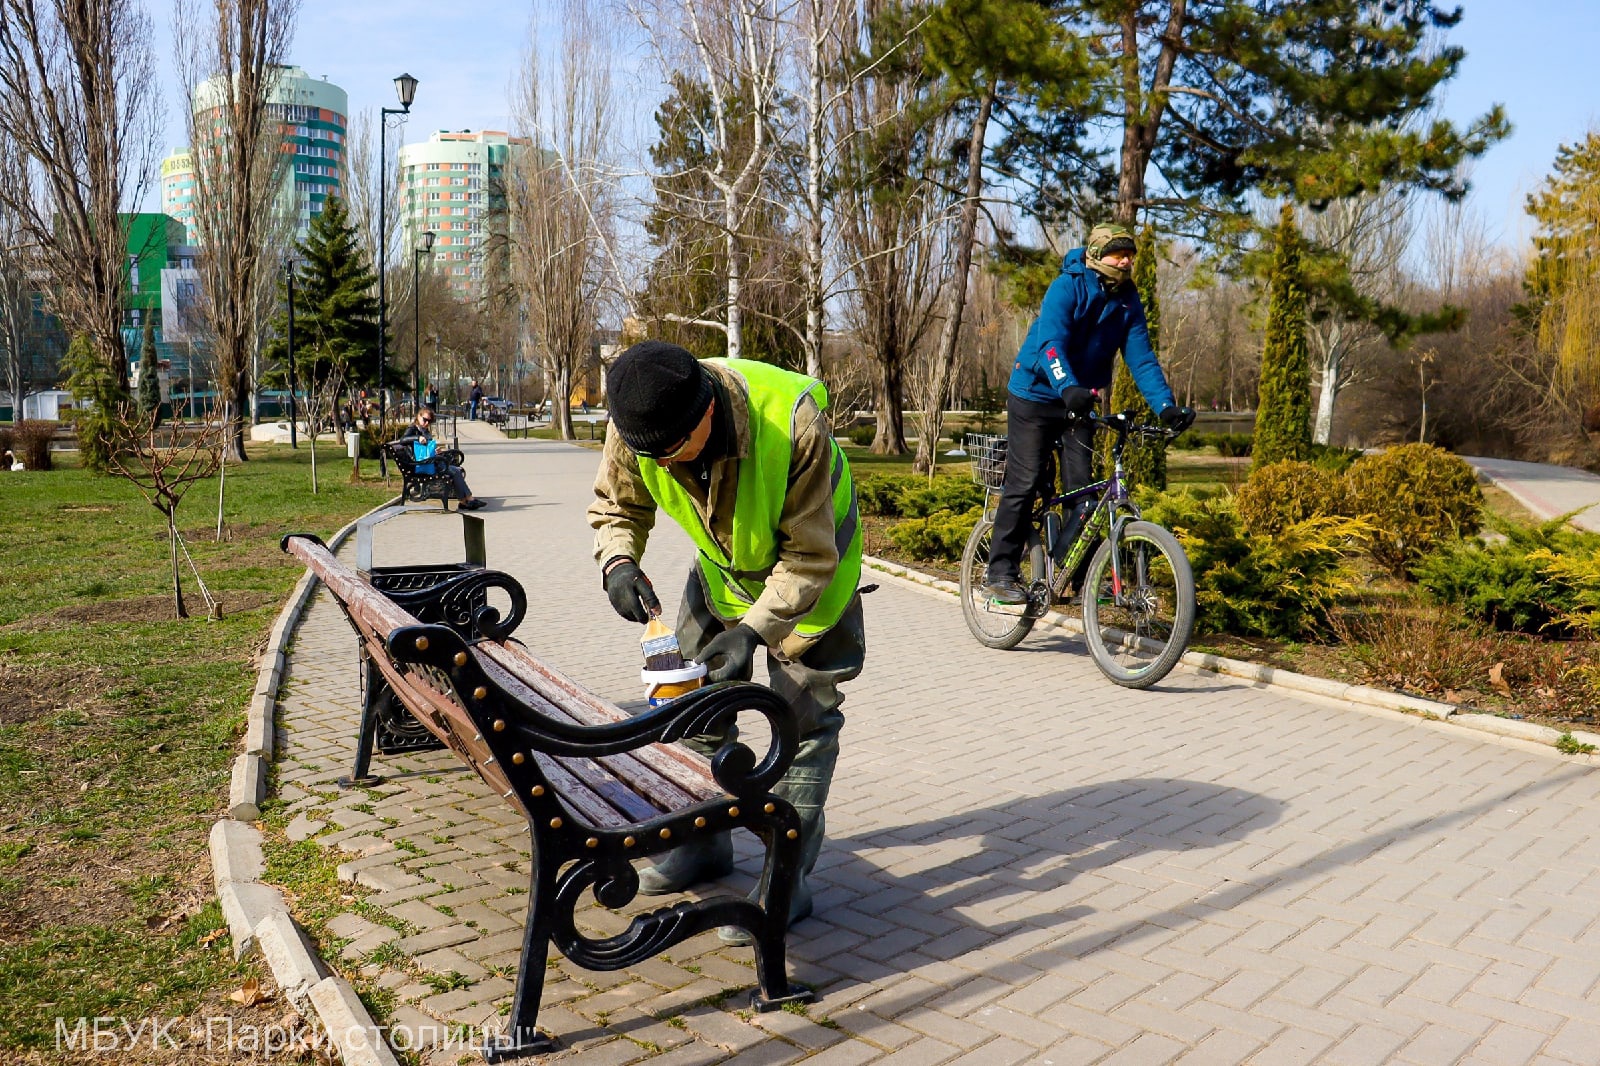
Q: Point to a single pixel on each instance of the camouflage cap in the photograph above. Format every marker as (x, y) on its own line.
(1108, 237)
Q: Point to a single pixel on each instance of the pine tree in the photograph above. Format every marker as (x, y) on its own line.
(1283, 415)
(149, 373)
(336, 312)
(1143, 462)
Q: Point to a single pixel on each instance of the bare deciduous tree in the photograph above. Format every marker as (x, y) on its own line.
(163, 473)
(79, 115)
(893, 212)
(230, 58)
(736, 49)
(1370, 233)
(561, 202)
(361, 188)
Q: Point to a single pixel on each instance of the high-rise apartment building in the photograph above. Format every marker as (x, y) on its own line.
(453, 184)
(310, 114)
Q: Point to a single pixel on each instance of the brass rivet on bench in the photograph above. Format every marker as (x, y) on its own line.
(518, 758)
(699, 823)
(666, 834)
(733, 812)
(628, 842)
(499, 723)
(538, 790)
(422, 643)
(461, 658)
(555, 823)
(592, 842)
(769, 808)
(479, 693)
(792, 834)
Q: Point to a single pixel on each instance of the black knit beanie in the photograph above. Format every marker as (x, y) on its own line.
(656, 393)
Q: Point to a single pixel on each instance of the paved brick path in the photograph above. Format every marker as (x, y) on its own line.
(1025, 864)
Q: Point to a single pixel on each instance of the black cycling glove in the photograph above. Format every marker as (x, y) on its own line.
(1078, 400)
(1177, 418)
(631, 593)
(736, 648)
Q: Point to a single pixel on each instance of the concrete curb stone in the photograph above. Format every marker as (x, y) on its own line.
(1274, 677)
(256, 913)
(247, 787)
(349, 1026)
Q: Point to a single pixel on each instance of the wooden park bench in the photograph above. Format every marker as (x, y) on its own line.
(599, 788)
(416, 486)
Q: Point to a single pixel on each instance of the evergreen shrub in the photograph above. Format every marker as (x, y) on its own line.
(880, 493)
(862, 435)
(938, 536)
(1418, 496)
(1279, 586)
(1282, 494)
(1524, 583)
(1337, 460)
(1233, 445)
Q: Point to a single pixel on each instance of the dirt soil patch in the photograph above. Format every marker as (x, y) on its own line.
(145, 608)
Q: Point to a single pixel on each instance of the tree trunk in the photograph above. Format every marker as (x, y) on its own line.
(238, 388)
(887, 395)
(966, 234)
(561, 400)
(1322, 428)
(735, 281)
(180, 611)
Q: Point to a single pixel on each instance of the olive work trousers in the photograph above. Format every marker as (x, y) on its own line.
(810, 685)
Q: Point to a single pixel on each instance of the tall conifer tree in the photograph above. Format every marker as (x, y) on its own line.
(336, 313)
(149, 373)
(1283, 415)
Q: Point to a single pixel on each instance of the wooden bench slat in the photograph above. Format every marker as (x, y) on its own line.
(688, 770)
(576, 794)
(645, 793)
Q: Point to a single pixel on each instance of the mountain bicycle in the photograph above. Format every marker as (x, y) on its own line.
(1137, 591)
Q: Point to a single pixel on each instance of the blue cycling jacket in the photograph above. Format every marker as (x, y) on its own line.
(1077, 335)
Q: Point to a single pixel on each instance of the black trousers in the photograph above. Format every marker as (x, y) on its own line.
(1036, 433)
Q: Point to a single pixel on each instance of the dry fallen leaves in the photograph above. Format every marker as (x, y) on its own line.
(1497, 679)
(250, 994)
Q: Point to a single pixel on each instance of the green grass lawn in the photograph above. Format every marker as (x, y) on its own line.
(119, 724)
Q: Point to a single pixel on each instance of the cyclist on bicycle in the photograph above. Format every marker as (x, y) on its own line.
(1090, 312)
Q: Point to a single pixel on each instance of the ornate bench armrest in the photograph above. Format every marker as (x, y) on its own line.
(507, 717)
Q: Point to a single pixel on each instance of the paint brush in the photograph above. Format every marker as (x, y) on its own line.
(660, 646)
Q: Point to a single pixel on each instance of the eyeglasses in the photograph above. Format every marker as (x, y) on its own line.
(673, 453)
(426, 421)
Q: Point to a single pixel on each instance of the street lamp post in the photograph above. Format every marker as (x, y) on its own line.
(288, 278)
(405, 86)
(424, 247)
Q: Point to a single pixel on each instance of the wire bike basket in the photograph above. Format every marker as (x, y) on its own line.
(988, 460)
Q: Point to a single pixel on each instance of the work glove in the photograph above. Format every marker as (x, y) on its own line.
(631, 593)
(1078, 400)
(736, 648)
(1177, 418)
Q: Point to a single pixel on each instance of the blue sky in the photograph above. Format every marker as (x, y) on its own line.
(1535, 56)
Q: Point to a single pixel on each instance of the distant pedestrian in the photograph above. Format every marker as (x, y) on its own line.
(433, 397)
(474, 400)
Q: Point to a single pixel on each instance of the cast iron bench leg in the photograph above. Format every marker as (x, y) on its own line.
(373, 693)
(521, 1035)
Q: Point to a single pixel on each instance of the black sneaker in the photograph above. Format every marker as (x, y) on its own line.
(1006, 590)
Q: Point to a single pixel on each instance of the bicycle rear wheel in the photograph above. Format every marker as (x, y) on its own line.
(995, 625)
(1137, 632)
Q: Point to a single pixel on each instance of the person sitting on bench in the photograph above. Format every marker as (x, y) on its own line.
(424, 447)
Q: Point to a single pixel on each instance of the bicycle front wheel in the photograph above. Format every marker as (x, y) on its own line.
(1138, 614)
(995, 625)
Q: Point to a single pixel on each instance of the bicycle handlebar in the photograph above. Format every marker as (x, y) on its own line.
(1124, 426)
